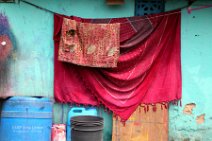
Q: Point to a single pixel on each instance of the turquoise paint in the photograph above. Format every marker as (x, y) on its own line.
(196, 33)
(88, 9)
(32, 70)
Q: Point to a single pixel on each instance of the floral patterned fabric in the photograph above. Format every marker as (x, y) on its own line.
(88, 44)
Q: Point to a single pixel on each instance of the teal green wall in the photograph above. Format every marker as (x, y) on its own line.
(32, 68)
(196, 35)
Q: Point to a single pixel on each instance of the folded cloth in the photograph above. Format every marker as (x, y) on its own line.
(148, 69)
(88, 44)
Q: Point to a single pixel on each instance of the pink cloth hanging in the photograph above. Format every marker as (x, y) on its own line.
(148, 69)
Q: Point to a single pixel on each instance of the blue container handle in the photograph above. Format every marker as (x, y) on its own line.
(77, 109)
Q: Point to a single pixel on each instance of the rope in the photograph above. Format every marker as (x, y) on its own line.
(146, 18)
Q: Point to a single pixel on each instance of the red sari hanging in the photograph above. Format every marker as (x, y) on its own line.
(148, 69)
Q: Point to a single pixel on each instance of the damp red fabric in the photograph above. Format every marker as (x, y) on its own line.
(148, 69)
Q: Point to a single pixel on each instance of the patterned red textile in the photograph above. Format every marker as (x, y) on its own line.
(89, 44)
(148, 70)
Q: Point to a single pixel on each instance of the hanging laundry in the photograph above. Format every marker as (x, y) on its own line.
(88, 44)
(148, 69)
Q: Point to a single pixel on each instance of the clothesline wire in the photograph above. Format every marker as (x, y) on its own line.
(41, 8)
(146, 18)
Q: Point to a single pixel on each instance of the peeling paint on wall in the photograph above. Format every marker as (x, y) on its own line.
(7, 47)
(196, 33)
(200, 119)
(188, 109)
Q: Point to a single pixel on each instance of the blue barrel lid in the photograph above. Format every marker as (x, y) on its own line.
(26, 98)
(27, 104)
(27, 107)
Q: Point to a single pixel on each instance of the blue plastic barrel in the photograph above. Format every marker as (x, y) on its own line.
(26, 119)
(78, 111)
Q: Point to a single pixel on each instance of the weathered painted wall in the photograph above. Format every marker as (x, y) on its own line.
(32, 70)
(197, 77)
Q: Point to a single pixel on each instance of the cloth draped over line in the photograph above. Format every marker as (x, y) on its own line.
(89, 44)
(148, 69)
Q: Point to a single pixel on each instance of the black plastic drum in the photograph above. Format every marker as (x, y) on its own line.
(87, 128)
